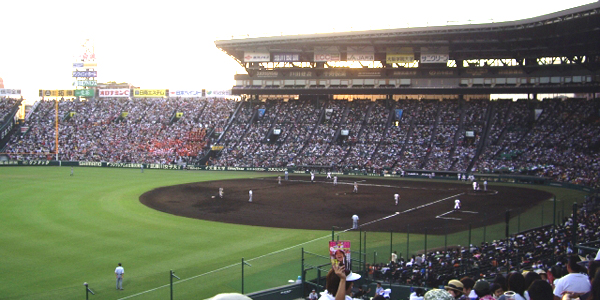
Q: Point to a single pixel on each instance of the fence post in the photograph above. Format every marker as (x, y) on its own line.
(303, 273)
(171, 278)
(365, 253)
(391, 236)
(407, 240)
(554, 230)
(425, 251)
(574, 228)
(332, 234)
(446, 236)
(359, 247)
(242, 275)
(469, 237)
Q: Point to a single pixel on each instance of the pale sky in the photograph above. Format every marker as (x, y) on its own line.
(170, 44)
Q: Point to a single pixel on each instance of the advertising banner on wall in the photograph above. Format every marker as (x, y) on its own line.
(85, 74)
(86, 83)
(434, 55)
(10, 93)
(86, 65)
(257, 56)
(177, 93)
(286, 57)
(218, 93)
(327, 56)
(114, 93)
(396, 58)
(85, 93)
(145, 93)
(57, 93)
(360, 56)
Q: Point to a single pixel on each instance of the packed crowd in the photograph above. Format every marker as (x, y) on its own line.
(556, 138)
(541, 253)
(121, 130)
(6, 107)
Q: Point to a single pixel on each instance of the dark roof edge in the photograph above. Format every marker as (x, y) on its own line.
(415, 30)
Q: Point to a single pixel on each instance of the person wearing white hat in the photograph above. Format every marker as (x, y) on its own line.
(230, 296)
(386, 293)
(250, 195)
(313, 295)
(339, 284)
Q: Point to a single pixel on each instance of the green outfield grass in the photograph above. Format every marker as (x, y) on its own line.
(59, 231)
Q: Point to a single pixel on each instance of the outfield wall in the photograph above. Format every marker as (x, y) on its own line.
(448, 175)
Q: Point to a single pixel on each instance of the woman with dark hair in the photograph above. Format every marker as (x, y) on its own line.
(501, 281)
(516, 284)
(594, 273)
(339, 284)
(530, 277)
(340, 256)
(539, 290)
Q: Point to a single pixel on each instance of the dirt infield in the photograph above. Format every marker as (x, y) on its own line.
(298, 203)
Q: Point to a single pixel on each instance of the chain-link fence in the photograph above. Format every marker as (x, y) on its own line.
(311, 258)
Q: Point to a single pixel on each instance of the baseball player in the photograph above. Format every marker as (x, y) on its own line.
(142, 168)
(474, 185)
(279, 180)
(286, 175)
(456, 204)
(485, 185)
(329, 175)
(396, 198)
(119, 272)
(335, 180)
(312, 176)
(71, 171)
(250, 195)
(458, 175)
(354, 221)
(221, 192)
(355, 187)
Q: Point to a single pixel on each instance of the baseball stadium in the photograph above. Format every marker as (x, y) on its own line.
(411, 131)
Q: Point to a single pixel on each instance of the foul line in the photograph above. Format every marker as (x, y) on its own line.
(226, 267)
(291, 247)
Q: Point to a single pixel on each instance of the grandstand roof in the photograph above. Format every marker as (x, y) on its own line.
(570, 32)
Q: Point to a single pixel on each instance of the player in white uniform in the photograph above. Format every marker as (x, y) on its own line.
(250, 195)
(354, 221)
(335, 180)
(396, 198)
(221, 192)
(456, 204)
(329, 175)
(355, 187)
(474, 185)
(279, 180)
(485, 185)
(286, 175)
(312, 177)
(71, 171)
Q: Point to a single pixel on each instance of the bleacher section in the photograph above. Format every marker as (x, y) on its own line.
(556, 138)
